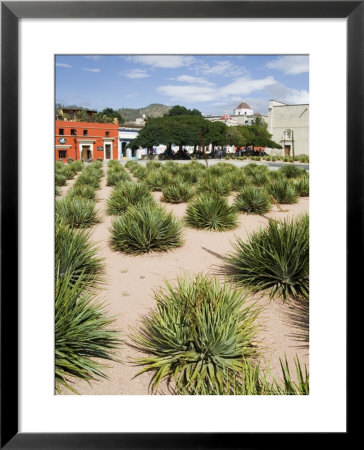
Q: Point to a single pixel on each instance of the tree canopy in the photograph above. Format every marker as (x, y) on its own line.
(194, 130)
(178, 110)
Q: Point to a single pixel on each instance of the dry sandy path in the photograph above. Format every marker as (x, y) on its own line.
(130, 281)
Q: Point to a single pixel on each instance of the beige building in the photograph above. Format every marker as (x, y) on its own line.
(289, 126)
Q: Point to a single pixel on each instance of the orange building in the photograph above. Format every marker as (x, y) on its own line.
(86, 140)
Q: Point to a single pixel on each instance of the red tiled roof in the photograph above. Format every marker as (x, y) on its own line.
(225, 117)
(243, 105)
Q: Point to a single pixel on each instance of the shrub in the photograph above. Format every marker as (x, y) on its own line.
(77, 165)
(302, 186)
(218, 185)
(60, 179)
(253, 200)
(275, 258)
(88, 179)
(125, 195)
(76, 255)
(253, 380)
(199, 331)
(156, 179)
(238, 180)
(292, 171)
(82, 333)
(145, 228)
(83, 191)
(212, 213)
(114, 177)
(177, 193)
(76, 212)
(283, 191)
(70, 160)
(57, 190)
(66, 171)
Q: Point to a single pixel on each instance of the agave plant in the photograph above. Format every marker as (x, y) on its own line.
(145, 228)
(57, 190)
(60, 179)
(83, 191)
(274, 259)
(253, 380)
(253, 200)
(219, 186)
(88, 179)
(156, 179)
(283, 191)
(292, 171)
(302, 186)
(76, 212)
(115, 176)
(212, 213)
(177, 193)
(83, 332)
(125, 195)
(199, 331)
(76, 255)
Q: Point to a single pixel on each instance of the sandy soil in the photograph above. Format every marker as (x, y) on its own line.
(130, 281)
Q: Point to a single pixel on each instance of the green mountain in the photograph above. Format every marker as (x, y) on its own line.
(153, 110)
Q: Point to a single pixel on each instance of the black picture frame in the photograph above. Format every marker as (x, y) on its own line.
(11, 12)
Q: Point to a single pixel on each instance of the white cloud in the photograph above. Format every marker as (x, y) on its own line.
(193, 80)
(284, 94)
(163, 61)
(135, 73)
(91, 70)
(94, 57)
(239, 87)
(221, 68)
(290, 65)
(63, 65)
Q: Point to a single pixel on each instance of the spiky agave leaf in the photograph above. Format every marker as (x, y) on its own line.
(199, 330)
(212, 213)
(302, 186)
(76, 255)
(283, 191)
(274, 259)
(83, 332)
(125, 195)
(177, 193)
(115, 176)
(77, 212)
(146, 228)
(253, 200)
(83, 191)
(292, 171)
(215, 185)
(253, 380)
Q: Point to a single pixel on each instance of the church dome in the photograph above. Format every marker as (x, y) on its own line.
(243, 105)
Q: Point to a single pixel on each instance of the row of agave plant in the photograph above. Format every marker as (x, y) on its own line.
(64, 172)
(201, 336)
(298, 158)
(84, 333)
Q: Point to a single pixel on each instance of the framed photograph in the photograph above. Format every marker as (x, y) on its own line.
(320, 43)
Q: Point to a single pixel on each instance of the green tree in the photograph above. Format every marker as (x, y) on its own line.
(178, 110)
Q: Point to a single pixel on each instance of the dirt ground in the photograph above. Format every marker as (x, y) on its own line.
(130, 281)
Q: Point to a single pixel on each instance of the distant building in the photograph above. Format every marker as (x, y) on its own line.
(125, 136)
(243, 115)
(71, 114)
(289, 126)
(243, 109)
(85, 140)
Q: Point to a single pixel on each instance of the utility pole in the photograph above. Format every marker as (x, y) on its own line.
(293, 145)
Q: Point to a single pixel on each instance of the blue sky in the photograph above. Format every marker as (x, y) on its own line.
(212, 84)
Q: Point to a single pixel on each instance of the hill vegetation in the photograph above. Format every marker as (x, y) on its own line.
(153, 110)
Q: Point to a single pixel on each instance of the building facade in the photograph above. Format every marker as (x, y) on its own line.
(289, 126)
(125, 135)
(86, 140)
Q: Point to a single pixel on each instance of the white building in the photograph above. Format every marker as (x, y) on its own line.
(125, 136)
(289, 126)
(243, 109)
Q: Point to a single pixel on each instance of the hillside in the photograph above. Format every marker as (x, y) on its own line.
(153, 110)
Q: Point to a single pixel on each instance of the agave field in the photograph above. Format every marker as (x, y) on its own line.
(178, 278)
